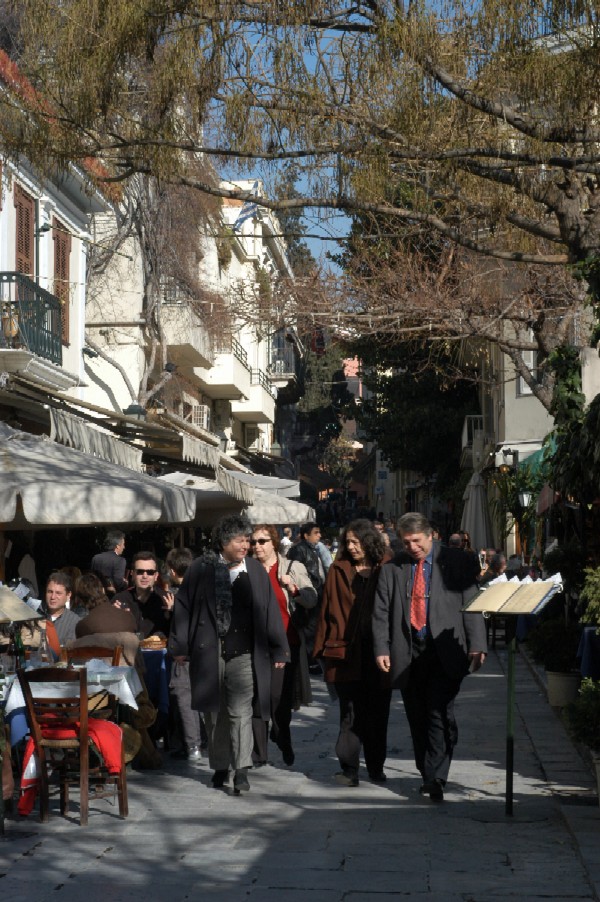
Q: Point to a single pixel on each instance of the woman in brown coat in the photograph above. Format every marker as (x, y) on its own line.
(345, 643)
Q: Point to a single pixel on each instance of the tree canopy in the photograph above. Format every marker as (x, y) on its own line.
(471, 125)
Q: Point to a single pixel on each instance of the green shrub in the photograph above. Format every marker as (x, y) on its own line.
(583, 716)
(590, 596)
(554, 643)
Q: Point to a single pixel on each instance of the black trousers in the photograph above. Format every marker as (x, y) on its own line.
(429, 704)
(364, 715)
(282, 704)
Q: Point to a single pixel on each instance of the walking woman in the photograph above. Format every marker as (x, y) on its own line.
(290, 687)
(345, 643)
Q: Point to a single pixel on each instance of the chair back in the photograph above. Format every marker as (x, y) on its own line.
(63, 706)
(84, 653)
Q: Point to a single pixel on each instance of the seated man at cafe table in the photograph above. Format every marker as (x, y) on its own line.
(149, 605)
(57, 599)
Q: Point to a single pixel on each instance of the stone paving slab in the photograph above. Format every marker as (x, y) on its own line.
(299, 836)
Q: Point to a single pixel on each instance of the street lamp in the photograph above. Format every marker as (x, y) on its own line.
(136, 411)
(525, 498)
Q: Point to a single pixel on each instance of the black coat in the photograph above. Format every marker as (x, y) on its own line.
(454, 632)
(194, 633)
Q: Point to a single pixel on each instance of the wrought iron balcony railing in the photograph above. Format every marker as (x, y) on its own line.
(31, 317)
(260, 378)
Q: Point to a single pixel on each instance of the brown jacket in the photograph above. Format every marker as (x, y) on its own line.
(340, 618)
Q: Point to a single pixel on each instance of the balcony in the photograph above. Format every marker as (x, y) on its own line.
(187, 340)
(31, 317)
(260, 404)
(31, 333)
(285, 370)
(230, 376)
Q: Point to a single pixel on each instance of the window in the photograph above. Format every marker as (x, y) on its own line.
(62, 273)
(530, 361)
(25, 209)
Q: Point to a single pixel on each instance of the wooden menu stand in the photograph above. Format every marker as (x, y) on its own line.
(509, 599)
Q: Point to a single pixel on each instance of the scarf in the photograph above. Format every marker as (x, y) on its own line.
(223, 597)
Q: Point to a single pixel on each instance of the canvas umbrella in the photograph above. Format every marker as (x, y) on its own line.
(476, 514)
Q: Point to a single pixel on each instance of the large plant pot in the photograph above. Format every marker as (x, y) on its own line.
(596, 760)
(562, 688)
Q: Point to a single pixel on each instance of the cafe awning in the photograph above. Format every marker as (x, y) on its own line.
(216, 498)
(48, 485)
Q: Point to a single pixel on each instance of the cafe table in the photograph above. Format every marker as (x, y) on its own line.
(121, 682)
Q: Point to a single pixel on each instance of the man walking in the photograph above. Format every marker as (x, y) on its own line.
(427, 644)
(307, 552)
(110, 565)
(227, 621)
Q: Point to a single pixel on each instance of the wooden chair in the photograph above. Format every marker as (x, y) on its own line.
(69, 756)
(84, 653)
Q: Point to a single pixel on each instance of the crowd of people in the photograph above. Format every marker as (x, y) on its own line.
(246, 621)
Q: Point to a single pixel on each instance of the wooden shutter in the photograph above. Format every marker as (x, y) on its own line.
(25, 208)
(62, 271)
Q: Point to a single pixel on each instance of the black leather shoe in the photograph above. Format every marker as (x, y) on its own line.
(240, 781)
(219, 779)
(346, 779)
(379, 777)
(288, 756)
(434, 789)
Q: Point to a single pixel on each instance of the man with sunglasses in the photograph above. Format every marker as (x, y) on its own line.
(150, 606)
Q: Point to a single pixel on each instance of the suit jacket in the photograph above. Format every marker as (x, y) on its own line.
(112, 567)
(194, 633)
(453, 632)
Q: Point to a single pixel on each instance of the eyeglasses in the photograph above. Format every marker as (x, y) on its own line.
(147, 572)
(259, 541)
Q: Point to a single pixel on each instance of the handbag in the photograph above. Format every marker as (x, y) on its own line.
(299, 615)
(336, 649)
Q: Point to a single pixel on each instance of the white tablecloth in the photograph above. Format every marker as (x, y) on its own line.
(122, 682)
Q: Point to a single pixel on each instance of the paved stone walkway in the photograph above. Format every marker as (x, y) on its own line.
(299, 837)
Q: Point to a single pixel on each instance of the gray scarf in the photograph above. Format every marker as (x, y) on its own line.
(223, 597)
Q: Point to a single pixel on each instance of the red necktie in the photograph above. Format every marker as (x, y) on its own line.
(418, 608)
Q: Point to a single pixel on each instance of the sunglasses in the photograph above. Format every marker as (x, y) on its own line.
(147, 572)
(259, 541)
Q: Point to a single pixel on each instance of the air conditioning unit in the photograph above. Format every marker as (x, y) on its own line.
(200, 416)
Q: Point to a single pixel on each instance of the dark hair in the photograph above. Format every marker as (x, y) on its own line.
(60, 578)
(89, 591)
(272, 533)
(228, 528)
(414, 522)
(179, 559)
(308, 527)
(370, 539)
(144, 556)
(113, 538)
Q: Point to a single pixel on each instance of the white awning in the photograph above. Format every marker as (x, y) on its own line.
(213, 501)
(76, 433)
(46, 484)
(287, 488)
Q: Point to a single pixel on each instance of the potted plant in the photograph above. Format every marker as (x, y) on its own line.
(583, 720)
(553, 644)
(590, 597)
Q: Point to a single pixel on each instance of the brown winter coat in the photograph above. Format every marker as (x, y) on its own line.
(340, 618)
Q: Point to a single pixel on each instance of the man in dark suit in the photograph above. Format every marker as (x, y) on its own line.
(109, 564)
(426, 643)
(227, 621)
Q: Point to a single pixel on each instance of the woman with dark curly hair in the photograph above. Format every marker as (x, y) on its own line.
(99, 615)
(345, 643)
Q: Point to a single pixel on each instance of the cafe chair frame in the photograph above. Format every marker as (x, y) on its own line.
(69, 757)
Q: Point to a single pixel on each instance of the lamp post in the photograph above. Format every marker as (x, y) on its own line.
(136, 411)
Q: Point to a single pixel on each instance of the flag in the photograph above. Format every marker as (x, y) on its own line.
(248, 210)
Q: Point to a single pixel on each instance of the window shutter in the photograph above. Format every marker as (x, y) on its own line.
(25, 208)
(62, 272)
